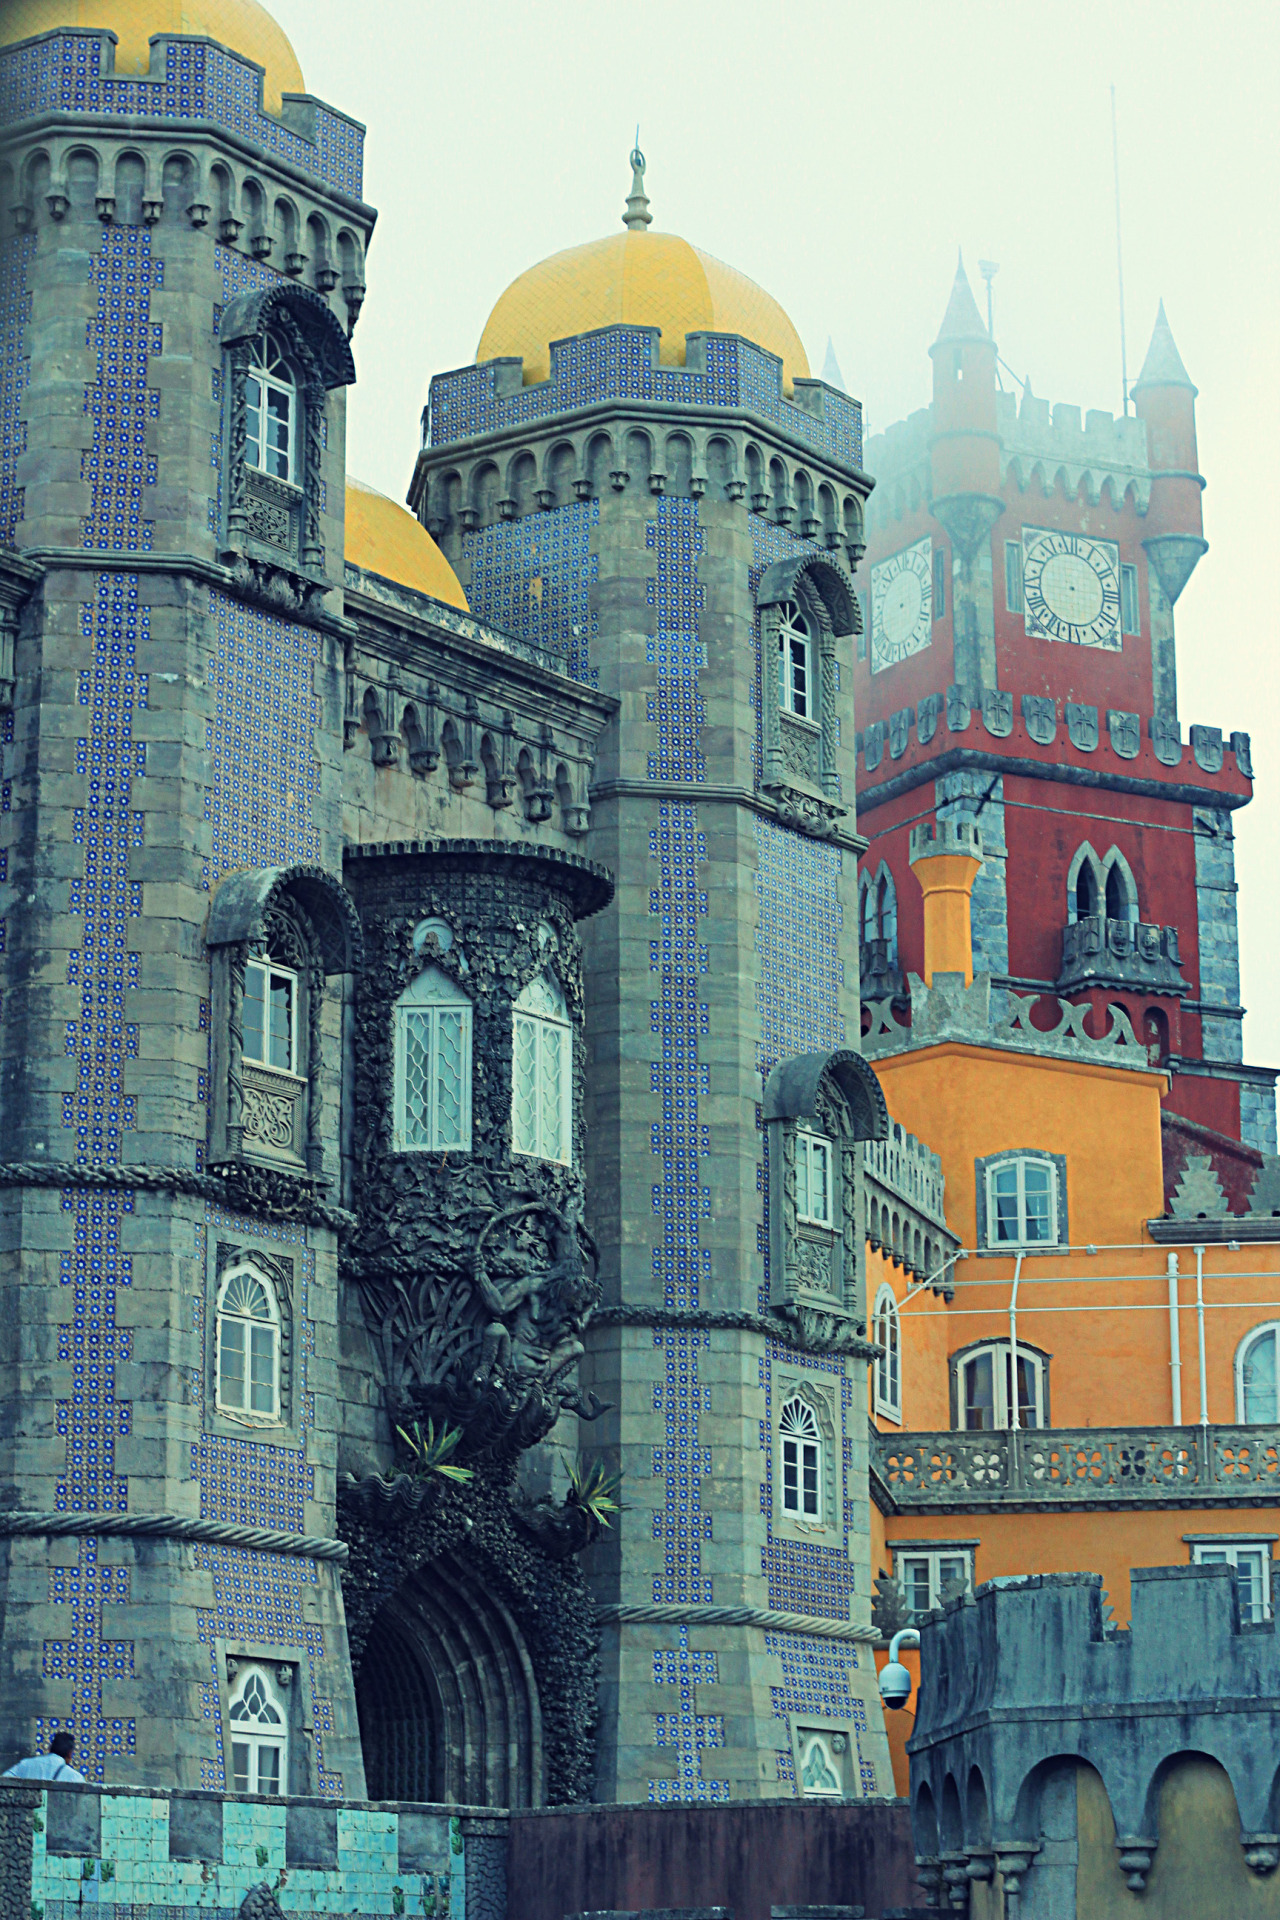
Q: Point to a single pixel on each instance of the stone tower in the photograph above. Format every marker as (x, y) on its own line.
(639, 475)
(182, 263)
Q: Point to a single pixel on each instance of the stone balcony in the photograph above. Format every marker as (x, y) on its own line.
(906, 1211)
(1120, 953)
(1091, 1467)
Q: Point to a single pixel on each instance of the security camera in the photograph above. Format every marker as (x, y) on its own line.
(895, 1681)
(895, 1684)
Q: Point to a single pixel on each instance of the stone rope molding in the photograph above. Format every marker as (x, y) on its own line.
(15, 1523)
(287, 1200)
(694, 1615)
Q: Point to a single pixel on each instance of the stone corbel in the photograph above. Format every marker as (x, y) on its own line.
(735, 489)
(295, 265)
(425, 757)
(353, 292)
(618, 478)
(1136, 1855)
(261, 245)
(1261, 1851)
(1013, 1857)
(500, 778)
(104, 205)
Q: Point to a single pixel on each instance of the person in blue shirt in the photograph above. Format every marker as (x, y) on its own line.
(54, 1765)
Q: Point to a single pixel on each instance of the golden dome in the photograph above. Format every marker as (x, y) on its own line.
(636, 279)
(242, 25)
(386, 539)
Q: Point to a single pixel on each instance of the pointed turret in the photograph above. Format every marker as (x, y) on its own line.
(1164, 399)
(1163, 365)
(637, 216)
(831, 368)
(961, 321)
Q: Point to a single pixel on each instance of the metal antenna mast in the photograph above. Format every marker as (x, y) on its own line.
(1115, 166)
(989, 269)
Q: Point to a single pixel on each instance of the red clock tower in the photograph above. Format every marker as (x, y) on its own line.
(1018, 668)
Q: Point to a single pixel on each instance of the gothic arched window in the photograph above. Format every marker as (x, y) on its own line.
(248, 1340)
(542, 1073)
(796, 686)
(1257, 1378)
(888, 1371)
(432, 1066)
(800, 1460)
(259, 1733)
(271, 411)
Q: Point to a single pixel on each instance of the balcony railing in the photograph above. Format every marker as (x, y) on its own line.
(1127, 953)
(1079, 1467)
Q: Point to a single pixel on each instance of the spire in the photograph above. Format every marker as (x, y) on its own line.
(1163, 365)
(831, 368)
(637, 216)
(961, 321)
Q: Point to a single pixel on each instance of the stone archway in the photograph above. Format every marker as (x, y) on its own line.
(447, 1698)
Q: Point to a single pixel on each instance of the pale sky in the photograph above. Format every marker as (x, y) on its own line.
(839, 154)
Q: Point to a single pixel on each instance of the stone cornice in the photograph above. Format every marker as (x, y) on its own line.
(699, 793)
(983, 760)
(696, 1615)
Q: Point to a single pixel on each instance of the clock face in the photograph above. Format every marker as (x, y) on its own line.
(901, 605)
(1071, 588)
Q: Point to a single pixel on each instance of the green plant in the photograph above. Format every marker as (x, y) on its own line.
(455, 1834)
(261, 1853)
(107, 1871)
(594, 1488)
(430, 1452)
(397, 1899)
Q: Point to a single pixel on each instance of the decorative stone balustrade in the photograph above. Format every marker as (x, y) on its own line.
(950, 1010)
(1120, 953)
(1083, 1467)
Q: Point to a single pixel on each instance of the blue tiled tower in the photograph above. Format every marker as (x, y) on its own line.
(640, 475)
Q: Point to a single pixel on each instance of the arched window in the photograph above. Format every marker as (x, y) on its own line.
(1117, 896)
(432, 1066)
(800, 1459)
(259, 1733)
(271, 411)
(248, 1342)
(795, 663)
(986, 1380)
(1256, 1377)
(1086, 891)
(1022, 1201)
(542, 1073)
(888, 1374)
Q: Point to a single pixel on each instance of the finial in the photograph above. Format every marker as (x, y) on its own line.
(637, 216)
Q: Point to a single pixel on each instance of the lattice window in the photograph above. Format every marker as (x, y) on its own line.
(259, 1734)
(542, 1073)
(888, 1370)
(800, 1459)
(248, 1337)
(433, 1066)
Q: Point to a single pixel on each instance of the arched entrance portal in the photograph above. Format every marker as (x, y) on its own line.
(447, 1697)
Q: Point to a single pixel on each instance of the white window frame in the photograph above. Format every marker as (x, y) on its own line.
(254, 1745)
(932, 1558)
(271, 370)
(549, 1030)
(887, 1370)
(272, 971)
(1251, 1338)
(813, 1149)
(432, 994)
(1001, 1358)
(1020, 1162)
(258, 1416)
(797, 690)
(1210, 1553)
(799, 1459)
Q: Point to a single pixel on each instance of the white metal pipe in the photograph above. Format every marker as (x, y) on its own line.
(1175, 1343)
(1204, 1376)
(1013, 1344)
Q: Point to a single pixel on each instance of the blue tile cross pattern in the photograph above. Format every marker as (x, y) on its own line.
(16, 254)
(119, 401)
(86, 1656)
(689, 1732)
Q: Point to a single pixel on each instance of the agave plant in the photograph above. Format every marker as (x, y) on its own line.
(429, 1451)
(595, 1489)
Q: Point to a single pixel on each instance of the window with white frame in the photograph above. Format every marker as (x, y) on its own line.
(800, 1460)
(985, 1381)
(259, 1733)
(270, 1019)
(795, 663)
(432, 1066)
(1022, 1202)
(271, 412)
(248, 1347)
(1256, 1377)
(1252, 1562)
(927, 1578)
(542, 1073)
(815, 1158)
(888, 1368)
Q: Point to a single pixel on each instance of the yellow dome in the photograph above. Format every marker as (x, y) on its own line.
(636, 279)
(386, 539)
(241, 25)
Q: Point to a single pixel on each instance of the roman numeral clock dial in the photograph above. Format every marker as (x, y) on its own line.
(1071, 588)
(901, 605)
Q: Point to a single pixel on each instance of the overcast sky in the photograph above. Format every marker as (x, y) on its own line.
(839, 154)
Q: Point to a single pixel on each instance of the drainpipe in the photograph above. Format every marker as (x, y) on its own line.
(1204, 1378)
(1013, 1345)
(1175, 1343)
